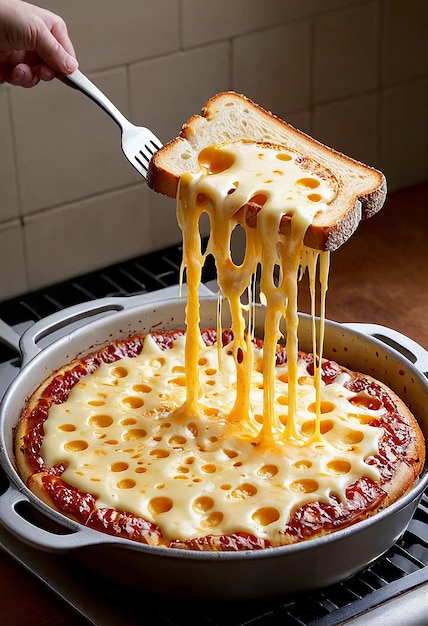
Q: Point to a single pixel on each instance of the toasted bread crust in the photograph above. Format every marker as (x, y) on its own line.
(361, 189)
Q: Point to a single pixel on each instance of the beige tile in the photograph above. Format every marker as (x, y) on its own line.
(165, 92)
(9, 208)
(267, 69)
(350, 126)
(81, 237)
(302, 120)
(205, 21)
(404, 134)
(12, 267)
(107, 33)
(404, 40)
(67, 147)
(163, 221)
(210, 21)
(330, 5)
(345, 54)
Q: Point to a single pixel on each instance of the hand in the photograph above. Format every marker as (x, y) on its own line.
(34, 44)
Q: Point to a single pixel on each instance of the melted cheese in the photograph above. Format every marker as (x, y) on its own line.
(124, 439)
(203, 440)
(234, 180)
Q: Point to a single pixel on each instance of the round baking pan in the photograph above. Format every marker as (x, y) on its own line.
(374, 350)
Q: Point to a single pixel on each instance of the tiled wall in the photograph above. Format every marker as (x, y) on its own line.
(353, 73)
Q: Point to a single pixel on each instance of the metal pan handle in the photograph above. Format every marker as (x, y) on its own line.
(414, 352)
(44, 331)
(40, 538)
(9, 336)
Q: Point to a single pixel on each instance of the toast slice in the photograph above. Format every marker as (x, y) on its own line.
(359, 190)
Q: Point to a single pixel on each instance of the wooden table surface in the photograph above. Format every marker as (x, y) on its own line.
(378, 276)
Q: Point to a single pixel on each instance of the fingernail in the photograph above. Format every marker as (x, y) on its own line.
(18, 76)
(71, 64)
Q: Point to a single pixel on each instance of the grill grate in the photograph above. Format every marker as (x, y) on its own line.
(404, 567)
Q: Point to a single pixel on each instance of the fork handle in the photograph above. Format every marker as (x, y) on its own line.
(86, 86)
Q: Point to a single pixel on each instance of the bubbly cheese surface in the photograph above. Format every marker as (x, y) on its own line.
(124, 439)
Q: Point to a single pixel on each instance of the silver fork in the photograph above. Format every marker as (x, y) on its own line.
(138, 143)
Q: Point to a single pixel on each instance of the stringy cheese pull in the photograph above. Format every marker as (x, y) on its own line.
(120, 438)
(255, 185)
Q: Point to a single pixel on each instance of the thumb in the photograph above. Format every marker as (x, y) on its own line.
(52, 52)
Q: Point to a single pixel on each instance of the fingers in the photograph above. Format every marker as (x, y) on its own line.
(23, 76)
(52, 47)
(59, 31)
(34, 44)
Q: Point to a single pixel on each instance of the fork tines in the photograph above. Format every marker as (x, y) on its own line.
(147, 152)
